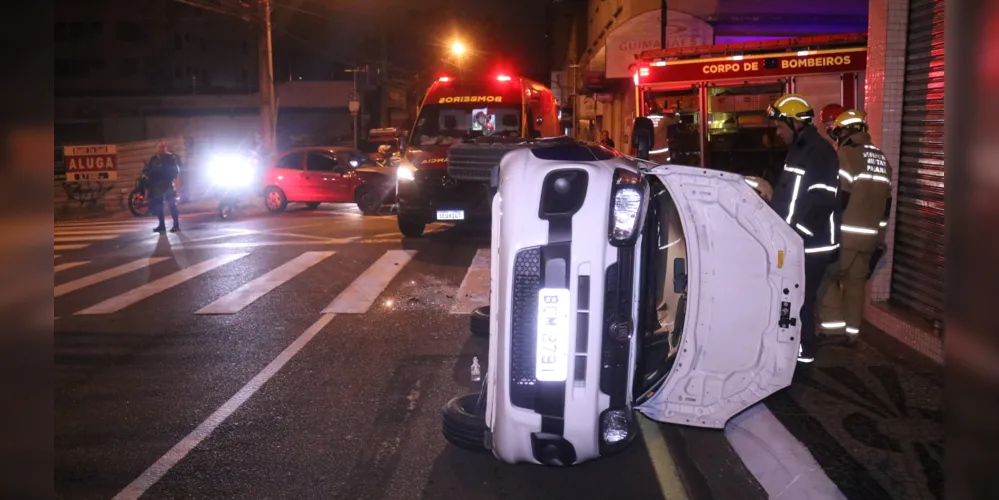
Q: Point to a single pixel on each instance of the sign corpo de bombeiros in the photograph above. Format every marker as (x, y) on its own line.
(91, 163)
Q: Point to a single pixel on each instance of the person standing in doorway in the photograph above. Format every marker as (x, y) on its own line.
(806, 196)
(606, 140)
(864, 169)
(162, 170)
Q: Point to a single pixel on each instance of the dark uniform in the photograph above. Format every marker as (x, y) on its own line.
(806, 196)
(162, 170)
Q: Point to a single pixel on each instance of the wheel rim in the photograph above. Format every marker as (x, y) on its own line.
(273, 199)
(367, 201)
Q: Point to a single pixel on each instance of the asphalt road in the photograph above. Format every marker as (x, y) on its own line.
(202, 365)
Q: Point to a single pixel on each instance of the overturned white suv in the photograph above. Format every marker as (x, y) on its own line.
(620, 285)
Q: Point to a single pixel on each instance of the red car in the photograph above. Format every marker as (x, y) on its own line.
(320, 174)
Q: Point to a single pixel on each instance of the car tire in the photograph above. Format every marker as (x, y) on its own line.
(275, 200)
(461, 426)
(312, 205)
(410, 226)
(478, 321)
(368, 201)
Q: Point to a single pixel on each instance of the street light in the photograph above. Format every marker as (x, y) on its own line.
(458, 48)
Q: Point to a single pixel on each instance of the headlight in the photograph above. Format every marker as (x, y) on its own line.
(405, 172)
(628, 196)
(231, 170)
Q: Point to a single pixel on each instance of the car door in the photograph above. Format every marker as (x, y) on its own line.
(325, 177)
(289, 174)
(743, 278)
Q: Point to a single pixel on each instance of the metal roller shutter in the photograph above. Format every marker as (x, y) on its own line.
(918, 264)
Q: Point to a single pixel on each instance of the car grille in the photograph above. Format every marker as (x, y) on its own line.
(524, 319)
(476, 162)
(437, 187)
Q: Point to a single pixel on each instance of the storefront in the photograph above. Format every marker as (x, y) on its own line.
(715, 97)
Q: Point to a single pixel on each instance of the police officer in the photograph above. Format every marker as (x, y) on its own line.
(806, 197)
(162, 170)
(866, 179)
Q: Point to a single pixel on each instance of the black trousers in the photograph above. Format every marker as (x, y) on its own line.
(815, 270)
(156, 203)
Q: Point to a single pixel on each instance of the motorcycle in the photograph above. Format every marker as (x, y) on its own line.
(233, 174)
(138, 201)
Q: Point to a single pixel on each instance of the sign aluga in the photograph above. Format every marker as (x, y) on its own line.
(643, 32)
(91, 163)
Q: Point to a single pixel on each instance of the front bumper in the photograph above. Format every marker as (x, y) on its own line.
(434, 190)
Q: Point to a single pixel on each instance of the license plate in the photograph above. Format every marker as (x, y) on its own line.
(552, 363)
(450, 215)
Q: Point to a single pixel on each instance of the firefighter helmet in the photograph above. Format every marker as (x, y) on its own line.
(850, 120)
(791, 107)
(830, 112)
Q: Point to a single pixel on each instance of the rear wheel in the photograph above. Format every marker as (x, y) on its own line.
(138, 204)
(462, 425)
(368, 201)
(312, 205)
(478, 322)
(411, 226)
(275, 200)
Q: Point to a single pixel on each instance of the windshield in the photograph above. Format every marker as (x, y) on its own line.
(460, 123)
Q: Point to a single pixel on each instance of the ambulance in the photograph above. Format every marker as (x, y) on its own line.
(493, 109)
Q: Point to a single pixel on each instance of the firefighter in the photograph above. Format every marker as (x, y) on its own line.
(806, 197)
(866, 178)
(827, 116)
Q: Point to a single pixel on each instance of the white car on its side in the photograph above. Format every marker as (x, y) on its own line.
(619, 285)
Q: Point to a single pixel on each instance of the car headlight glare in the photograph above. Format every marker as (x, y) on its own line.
(231, 170)
(405, 172)
(614, 426)
(627, 203)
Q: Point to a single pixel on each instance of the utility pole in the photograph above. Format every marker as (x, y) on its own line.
(355, 102)
(663, 10)
(268, 124)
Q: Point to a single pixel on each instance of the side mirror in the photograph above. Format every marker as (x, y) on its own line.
(643, 136)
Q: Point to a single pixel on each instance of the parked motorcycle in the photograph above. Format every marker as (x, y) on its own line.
(138, 201)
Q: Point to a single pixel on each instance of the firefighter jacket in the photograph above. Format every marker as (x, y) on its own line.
(660, 147)
(866, 179)
(806, 195)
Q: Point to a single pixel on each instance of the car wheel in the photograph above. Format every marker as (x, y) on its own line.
(368, 201)
(461, 425)
(411, 227)
(275, 200)
(478, 322)
(312, 205)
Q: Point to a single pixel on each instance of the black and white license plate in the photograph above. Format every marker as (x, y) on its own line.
(450, 215)
(552, 362)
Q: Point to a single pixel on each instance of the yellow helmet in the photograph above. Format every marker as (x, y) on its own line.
(791, 106)
(850, 119)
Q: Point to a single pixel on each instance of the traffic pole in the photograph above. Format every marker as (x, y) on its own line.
(266, 71)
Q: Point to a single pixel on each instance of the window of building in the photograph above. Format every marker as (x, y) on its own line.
(129, 67)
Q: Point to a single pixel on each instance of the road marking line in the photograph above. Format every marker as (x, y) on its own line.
(117, 303)
(180, 450)
(781, 464)
(670, 484)
(114, 272)
(75, 246)
(474, 289)
(84, 232)
(73, 239)
(248, 293)
(255, 244)
(70, 265)
(97, 224)
(363, 292)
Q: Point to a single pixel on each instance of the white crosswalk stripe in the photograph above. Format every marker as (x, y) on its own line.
(93, 279)
(248, 293)
(69, 265)
(357, 298)
(117, 303)
(78, 235)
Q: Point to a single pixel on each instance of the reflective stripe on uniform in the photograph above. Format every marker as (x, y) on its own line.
(883, 223)
(822, 249)
(834, 325)
(846, 175)
(873, 177)
(852, 330)
(794, 198)
(795, 170)
(822, 186)
(832, 229)
(804, 229)
(857, 229)
(658, 151)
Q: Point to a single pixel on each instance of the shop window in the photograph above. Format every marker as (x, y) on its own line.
(740, 137)
(677, 114)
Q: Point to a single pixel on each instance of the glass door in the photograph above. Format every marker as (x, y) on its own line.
(740, 138)
(679, 112)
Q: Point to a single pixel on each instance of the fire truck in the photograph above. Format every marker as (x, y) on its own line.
(433, 185)
(710, 101)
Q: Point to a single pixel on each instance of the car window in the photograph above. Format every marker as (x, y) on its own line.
(291, 161)
(321, 162)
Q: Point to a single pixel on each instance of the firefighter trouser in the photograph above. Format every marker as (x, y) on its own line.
(843, 293)
(815, 268)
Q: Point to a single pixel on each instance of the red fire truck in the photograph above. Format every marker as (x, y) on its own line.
(496, 109)
(712, 100)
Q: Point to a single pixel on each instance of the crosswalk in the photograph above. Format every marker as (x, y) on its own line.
(78, 235)
(370, 282)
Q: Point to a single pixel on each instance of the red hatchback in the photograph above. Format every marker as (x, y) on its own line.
(316, 175)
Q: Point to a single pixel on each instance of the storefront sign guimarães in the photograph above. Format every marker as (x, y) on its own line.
(832, 61)
(643, 32)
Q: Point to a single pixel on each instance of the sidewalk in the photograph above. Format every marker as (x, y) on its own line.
(871, 417)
